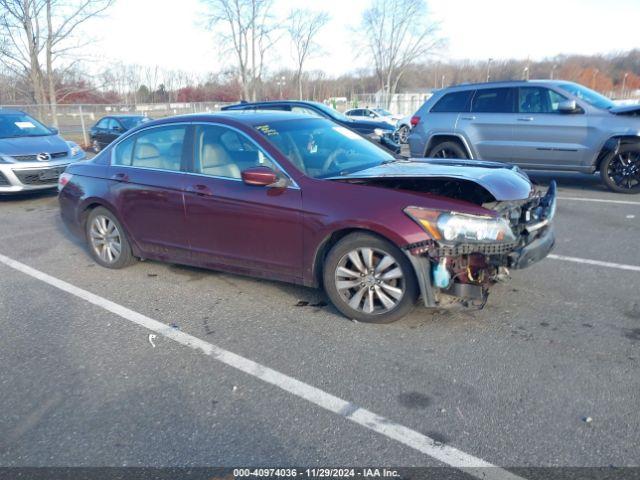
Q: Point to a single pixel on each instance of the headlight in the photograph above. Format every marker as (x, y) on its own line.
(461, 227)
(379, 132)
(75, 148)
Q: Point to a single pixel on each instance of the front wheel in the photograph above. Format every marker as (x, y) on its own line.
(620, 171)
(403, 134)
(369, 279)
(447, 150)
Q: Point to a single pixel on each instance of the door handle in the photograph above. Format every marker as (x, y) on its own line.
(470, 117)
(199, 189)
(120, 177)
(525, 119)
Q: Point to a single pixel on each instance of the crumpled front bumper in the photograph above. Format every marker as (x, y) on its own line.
(537, 240)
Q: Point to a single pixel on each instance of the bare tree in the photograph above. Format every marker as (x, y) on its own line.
(398, 33)
(36, 34)
(63, 20)
(246, 28)
(303, 26)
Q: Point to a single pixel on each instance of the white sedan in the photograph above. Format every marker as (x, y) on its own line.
(377, 114)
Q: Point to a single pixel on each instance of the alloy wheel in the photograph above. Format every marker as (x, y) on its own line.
(105, 239)
(624, 170)
(370, 280)
(445, 153)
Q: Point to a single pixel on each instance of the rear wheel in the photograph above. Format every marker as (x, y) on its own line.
(447, 149)
(370, 280)
(620, 171)
(107, 240)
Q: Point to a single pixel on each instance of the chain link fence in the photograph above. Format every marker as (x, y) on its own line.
(75, 121)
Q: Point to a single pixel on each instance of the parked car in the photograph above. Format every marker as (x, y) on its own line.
(300, 199)
(377, 114)
(32, 156)
(379, 132)
(107, 129)
(540, 124)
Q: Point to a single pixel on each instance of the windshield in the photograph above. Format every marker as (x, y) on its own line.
(383, 112)
(320, 148)
(15, 125)
(588, 95)
(333, 113)
(130, 122)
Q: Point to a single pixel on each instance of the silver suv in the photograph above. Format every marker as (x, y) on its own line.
(538, 124)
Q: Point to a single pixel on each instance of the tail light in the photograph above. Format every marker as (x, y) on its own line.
(415, 120)
(63, 180)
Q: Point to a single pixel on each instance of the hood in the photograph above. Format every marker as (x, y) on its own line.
(32, 145)
(505, 182)
(632, 110)
(368, 125)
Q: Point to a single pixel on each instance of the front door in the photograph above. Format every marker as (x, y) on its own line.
(148, 180)
(249, 228)
(544, 137)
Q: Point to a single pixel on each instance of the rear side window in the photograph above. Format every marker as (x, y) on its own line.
(454, 102)
(493, 100)
(158, 148)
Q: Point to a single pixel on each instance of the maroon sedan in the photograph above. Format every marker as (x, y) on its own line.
(301, 199)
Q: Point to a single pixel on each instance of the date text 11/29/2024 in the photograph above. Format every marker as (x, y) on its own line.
(315, 473)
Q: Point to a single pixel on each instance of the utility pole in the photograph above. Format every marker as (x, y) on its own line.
(624, 83)
(280, 84)
(593, 80)
(442, 83)
(553, 69)
(489, 68)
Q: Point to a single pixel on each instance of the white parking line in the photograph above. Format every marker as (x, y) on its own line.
(600, 200)
(621, 266)
(446, 454)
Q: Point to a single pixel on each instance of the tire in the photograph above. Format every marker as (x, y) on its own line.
(403, 134)
(447, 149)
(616, 164)
(104, 232)
(374, 298)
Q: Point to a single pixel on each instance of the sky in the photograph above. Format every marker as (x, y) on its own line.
(171, 33)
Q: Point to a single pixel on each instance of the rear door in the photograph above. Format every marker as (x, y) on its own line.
(544, 137)
(148, 173)
(252, 229)
(489, 124)
(101, 129)
(442, 119)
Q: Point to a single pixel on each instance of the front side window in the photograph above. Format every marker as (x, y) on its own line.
(15, 125)
(159, 148)
(538, 100)
(493, 100)
(224, 152)
(455, 102)
(319, 148)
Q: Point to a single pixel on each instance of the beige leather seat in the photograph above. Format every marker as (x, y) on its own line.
(216, 161)
(147, 155)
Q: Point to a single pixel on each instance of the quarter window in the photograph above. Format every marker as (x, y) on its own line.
(223, 152)
(493, 100)
(539, 100)
(305, 111)
(159, 148)
(455, 102)
(103, 123)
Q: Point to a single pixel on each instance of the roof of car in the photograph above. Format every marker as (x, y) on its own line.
(271, 102)
(10, 111)
(505, 83)
(247, 117)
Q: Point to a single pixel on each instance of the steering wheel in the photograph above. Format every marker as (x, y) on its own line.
(333, 159)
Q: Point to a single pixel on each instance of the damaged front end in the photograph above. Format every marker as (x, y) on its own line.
(466, 254)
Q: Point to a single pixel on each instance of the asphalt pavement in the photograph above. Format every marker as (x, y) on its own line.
(545, 375)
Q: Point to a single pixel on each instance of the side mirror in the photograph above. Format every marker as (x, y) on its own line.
(568, 106)
(54, 130)
(116, 128)
(259, 176)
